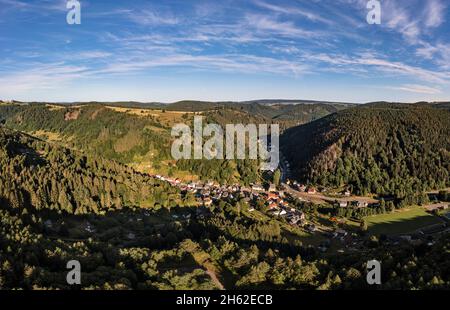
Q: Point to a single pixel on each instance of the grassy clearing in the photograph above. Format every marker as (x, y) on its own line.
(399, 222)
(53, 107)
(167, 118)
(47, 135)
(146, 165)
(138, 112)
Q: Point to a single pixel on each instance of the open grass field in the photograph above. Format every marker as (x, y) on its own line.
(47, 135)
(403, 221)
(53, 107)
(167, 118)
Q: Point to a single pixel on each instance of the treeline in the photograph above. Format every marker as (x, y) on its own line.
(223, 171)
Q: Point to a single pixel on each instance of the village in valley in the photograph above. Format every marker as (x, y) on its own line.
(284, 203)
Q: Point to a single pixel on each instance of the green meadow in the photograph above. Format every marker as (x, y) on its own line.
(400, 222)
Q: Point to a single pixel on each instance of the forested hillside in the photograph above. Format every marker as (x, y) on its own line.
(130, 231)
(39, 175)
(141, 137)
(387, 149)
(92, 128)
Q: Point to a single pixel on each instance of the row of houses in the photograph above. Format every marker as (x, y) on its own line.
(302, 187)
(353, 203)
(312, 190)
(208, 192)
(278, 206)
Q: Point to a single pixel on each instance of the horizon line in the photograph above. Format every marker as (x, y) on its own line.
(265, 100)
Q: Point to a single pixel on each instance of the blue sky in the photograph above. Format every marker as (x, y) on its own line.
(225, 50)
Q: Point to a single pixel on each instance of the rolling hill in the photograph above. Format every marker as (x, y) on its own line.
(138, 134)
(39, 175)
(381, 148)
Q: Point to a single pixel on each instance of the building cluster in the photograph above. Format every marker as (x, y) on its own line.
(344, 203)
(278, 206)
(312, 190)
(354, 204)
(207, 193)
(302, 187)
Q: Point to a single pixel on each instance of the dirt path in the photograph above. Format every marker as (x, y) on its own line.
(214, 278)
(203, 259)
(437, 191)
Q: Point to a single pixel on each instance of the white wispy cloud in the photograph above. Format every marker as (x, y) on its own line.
(290, 10)
(398, 17)
(406, 70)
(56, 75)
(270, 25)
(42, 6)
(152, 17)
(412, 19)
(227, 63)
(92, 54)
(438, 53)
(42, 76)
(435, 13)
(415, 88)
(374, 63)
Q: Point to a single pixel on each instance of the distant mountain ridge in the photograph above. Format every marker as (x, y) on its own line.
(192, 104)
(199, 105)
